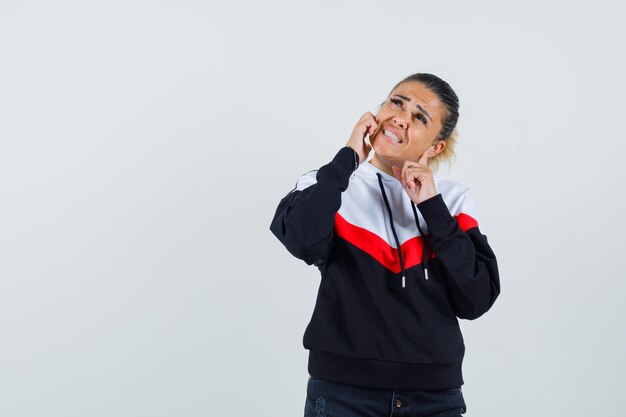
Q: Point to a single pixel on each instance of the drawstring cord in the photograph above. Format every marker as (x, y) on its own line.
(395, 235)
(393, 229)
(424, 249)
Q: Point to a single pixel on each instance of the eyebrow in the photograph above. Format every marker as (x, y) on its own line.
(417, 105)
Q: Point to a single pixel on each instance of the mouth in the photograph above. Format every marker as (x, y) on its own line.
(392, 137)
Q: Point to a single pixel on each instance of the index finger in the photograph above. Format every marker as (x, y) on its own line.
(424, 158)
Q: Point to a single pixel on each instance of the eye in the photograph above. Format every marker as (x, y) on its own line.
(421, 117)
(396, 102)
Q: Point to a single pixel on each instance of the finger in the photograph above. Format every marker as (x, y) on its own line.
(411, 179)
(424, 158)
(408, 179)
(403, 178)
(363, 125)
(412, 174)
(369, 121)
(406, 176)
(367, 116)
(407, 170)
(373, 128)
(407, 173)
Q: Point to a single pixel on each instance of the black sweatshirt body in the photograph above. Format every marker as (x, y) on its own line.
(371, 327)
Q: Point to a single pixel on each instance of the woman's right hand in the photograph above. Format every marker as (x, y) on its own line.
(365, 126)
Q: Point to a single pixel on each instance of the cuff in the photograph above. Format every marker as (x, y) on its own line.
(434, 210)
(340, 168)
(347, 159)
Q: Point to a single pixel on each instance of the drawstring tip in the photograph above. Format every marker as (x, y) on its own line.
(403, 282)
(426, 273)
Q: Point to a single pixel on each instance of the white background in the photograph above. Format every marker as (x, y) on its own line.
(145, 145)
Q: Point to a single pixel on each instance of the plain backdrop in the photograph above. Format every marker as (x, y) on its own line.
(144, 146)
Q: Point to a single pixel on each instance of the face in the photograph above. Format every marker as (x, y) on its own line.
(413, 114)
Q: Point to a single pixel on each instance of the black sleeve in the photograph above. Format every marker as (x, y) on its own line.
(304, 219)
(469, 263)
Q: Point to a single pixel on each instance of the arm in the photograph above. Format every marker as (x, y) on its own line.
(304, 219)
(469, 263)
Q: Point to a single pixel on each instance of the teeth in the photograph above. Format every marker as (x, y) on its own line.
(392, 136)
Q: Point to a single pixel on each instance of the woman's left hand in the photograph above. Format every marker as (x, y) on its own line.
(417, 178)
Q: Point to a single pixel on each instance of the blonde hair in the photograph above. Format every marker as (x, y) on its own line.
(448, 155)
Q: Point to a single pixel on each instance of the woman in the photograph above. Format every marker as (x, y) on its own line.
(401, 257)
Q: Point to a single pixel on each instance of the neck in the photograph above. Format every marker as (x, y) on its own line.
(380, 164)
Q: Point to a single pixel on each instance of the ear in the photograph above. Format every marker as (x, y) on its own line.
(438, 148)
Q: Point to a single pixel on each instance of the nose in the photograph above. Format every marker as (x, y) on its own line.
(400, 120)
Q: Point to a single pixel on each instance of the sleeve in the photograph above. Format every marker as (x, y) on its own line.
(305, 217)
(468, 261)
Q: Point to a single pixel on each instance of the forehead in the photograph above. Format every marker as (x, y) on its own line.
(419, 94)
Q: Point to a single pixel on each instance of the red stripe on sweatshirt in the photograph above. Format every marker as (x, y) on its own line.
(384, 253)
(466, 221)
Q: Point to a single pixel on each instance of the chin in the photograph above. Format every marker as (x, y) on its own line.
(383, 152)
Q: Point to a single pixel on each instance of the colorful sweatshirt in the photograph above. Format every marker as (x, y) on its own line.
(395, 276)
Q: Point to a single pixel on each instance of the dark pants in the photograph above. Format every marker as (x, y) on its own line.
(329, 399)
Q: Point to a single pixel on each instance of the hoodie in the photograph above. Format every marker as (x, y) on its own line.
(395, 276)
